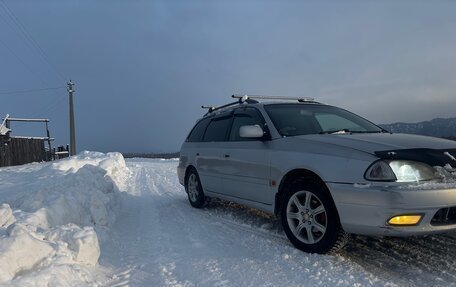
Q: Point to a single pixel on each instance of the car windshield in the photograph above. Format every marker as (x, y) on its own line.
(304, 119)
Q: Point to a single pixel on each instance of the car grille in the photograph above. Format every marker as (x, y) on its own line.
(445, 216)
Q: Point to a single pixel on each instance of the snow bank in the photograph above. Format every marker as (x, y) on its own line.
(51, 216)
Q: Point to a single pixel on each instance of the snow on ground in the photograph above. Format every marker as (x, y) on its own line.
(50, 215)
(160, 240)
(58, 220)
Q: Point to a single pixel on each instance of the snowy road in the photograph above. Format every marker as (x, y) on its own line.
(160, 240)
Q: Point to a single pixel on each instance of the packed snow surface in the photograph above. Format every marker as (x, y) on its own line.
(94, 220)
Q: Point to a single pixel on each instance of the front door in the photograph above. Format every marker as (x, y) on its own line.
(247, 161)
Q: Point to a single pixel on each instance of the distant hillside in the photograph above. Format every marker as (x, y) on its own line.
(151, 155)
(437, 127)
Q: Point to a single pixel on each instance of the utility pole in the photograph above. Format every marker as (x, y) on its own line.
(72, 132)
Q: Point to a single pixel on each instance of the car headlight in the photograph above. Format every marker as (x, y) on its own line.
(400, 171)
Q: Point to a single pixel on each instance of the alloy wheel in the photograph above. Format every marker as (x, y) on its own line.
(307, 217)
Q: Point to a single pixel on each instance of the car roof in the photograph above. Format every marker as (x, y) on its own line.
(223, 110)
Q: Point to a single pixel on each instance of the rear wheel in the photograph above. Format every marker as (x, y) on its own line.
(194, 189)
(310, 220)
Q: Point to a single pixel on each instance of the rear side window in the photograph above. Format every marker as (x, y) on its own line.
(217, 130)
(197, 133)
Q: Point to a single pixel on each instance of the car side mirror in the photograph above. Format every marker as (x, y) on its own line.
(254, 131)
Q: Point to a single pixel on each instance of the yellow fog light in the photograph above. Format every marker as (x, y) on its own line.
(405, 220)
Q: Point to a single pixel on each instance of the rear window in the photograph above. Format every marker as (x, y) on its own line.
(217, 130)
(197, 133)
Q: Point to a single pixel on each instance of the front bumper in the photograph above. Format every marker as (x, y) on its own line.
(366, 209)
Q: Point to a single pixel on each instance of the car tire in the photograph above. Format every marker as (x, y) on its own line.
(309, 218)
(194, 189)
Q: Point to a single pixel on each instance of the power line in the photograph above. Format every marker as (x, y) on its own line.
(49, 104)
(20, 59)
(31, 41)
(56, 103)
(29, 91)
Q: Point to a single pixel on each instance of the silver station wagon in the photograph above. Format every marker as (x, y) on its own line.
(324, 171)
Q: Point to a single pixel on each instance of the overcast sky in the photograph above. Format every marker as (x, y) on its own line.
(142, 69)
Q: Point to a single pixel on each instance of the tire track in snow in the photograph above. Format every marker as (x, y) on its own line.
(126, 245)
(277, 236)
(421, 259)
(416, 261)
(142, 237)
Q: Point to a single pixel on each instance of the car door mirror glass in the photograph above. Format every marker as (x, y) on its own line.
(254, 131)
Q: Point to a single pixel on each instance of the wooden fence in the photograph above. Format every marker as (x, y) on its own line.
(17, 151)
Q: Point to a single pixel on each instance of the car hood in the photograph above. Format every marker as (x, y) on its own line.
(397, 146)
(382, 141)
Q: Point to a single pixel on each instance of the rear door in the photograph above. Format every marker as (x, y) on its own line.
(210, 159)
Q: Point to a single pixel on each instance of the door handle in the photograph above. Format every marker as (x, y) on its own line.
(197, 154)
(227, 155)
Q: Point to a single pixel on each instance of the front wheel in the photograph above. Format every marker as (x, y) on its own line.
(194, 189)
(310, 220)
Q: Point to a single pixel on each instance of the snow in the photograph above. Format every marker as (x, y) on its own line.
(3, 129)
(51, 215)
(96, 220)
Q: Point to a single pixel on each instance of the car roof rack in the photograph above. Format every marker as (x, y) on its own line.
(241, 100)
(260, 97)
(250, 99)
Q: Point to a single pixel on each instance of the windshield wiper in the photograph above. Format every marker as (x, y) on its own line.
(347, 131)
(342, 131)
(367, 132)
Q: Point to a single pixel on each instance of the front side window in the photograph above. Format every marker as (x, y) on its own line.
(217, 129)
(304, 119)
(250, 118)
